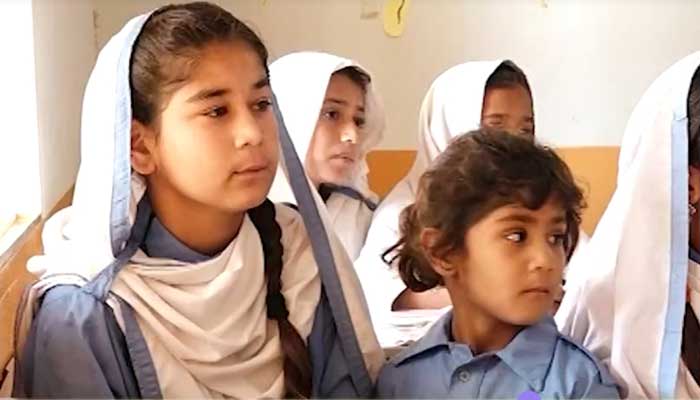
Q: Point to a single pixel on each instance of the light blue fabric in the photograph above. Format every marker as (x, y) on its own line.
(160, 243)
(75, 325)
(673, 328)
(538, 360)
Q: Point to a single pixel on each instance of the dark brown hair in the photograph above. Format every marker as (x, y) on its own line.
(479, 172)
(508, 75)
(168, 47)
(694, 120)
(164, 55)
(690, 340)
(356, 75)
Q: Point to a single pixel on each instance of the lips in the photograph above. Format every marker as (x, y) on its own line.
(344, 157)
(538, 290)
(251, 169)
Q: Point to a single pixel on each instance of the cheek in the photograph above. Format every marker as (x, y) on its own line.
(271, 145)
(492, 268)
(190, 153)
(320, 142)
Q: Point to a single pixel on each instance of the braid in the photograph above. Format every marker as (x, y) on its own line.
(297, 364)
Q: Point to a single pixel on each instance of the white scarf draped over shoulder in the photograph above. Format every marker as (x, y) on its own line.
(626, 290)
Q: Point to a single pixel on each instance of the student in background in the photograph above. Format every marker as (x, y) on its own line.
(494, 218)
(334, 118)
(633, 293)
(172, 275)
(463, 98)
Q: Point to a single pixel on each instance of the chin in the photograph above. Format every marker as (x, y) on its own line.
(337, 179)
(244, 199)
(529, 317)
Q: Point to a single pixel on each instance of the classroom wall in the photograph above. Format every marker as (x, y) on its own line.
(588, 61)
(65, 50)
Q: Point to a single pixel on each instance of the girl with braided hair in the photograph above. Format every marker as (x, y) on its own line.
(172, 275)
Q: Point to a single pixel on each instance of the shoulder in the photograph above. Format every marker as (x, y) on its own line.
(421, 354)
(69, 306)
(582, 369)
(415, 370)
(69, 317)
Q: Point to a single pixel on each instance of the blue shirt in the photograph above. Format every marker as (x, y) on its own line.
(538, 359)
(76, 349)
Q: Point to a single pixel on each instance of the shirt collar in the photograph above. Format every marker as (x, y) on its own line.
(529, 354)
(160, 243)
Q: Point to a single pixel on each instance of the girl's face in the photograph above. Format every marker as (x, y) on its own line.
(510, 109)
(512, 268)
(334, 152)
(214, 144)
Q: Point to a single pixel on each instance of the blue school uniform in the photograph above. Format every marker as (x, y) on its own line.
(97, 359)
(538, 361)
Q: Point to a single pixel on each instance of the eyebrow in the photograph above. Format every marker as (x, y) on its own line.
(341, 103)
(503, 116)
(262, 83)
(524, 218)
(528, 219)
(206, 94)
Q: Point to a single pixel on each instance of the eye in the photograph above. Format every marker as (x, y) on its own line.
(360, 122)
(217, 112)
(558, 239)
(331, 114)
(516, 237)
(262, 105)
(527, 132)
(493, 124)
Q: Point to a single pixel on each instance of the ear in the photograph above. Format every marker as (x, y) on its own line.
(143, 146)
(693, 184)
(442, 265)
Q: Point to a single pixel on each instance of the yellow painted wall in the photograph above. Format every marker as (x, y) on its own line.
(595, 169)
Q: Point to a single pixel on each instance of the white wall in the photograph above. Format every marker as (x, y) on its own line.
(65, 50)
(588, 61)
(19, 156)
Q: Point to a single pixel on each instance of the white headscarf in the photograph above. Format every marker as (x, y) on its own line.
(300, 81)
(626, 290)
(451, 107)
(205, 323)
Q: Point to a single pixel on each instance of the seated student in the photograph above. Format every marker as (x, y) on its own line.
(633, 297)
(171, 275)
(493, 220)
(334, 118)
(463, 98)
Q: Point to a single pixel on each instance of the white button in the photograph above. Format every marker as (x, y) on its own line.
(464, 376)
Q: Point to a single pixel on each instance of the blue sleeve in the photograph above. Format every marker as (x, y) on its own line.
(589, 378)
(600, 390)
(75, 349)
(331, 376)
(386, 384)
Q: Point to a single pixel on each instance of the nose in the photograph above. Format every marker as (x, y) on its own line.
(349, 133)
(246, 131)
(545, 257)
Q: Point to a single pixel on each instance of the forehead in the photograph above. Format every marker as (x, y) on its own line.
(507, 100)
(226, 64)
(341, 86)
(551, 210)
